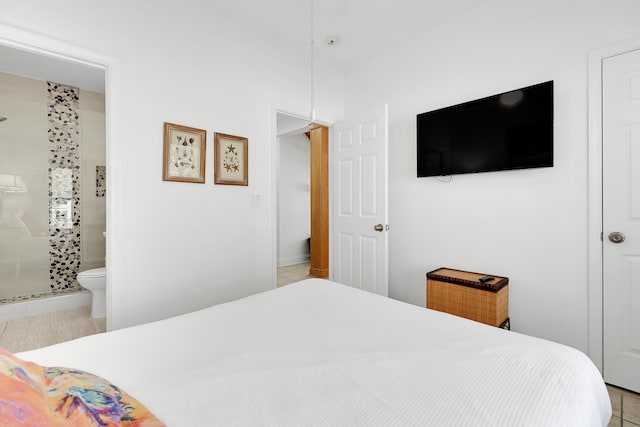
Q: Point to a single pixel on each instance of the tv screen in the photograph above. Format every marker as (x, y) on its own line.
(511, 130)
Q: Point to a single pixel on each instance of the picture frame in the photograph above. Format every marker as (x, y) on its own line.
(184, 155)
(231, 159)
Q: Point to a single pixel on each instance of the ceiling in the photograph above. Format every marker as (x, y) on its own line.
(362, 27)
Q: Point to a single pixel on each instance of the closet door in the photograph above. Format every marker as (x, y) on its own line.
(621, 219)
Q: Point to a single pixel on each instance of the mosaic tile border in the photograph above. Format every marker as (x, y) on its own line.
(64, 186)
(101, 181)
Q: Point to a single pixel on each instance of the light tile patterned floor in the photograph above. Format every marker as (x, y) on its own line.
(626, 407)
(293, 273)
(48, 329)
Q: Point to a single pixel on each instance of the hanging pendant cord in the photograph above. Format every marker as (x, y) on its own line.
(312, 62)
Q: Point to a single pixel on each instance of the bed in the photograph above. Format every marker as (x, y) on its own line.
(317, 353)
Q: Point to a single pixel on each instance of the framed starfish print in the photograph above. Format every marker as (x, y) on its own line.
(231, 154)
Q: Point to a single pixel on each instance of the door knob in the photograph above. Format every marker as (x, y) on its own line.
(378, 227)
(616, 237)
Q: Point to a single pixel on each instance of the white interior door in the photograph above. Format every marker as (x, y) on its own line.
(621, 214)
(360, 247)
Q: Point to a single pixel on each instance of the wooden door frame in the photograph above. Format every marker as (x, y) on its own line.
(595, 205)
(287, 110)
(319, 179)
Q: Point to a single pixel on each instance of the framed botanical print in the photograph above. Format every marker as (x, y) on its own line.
(231, 154)
(184, 153)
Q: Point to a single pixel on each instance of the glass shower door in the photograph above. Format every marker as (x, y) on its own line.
(24, 199)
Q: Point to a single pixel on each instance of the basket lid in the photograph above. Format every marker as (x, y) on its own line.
(469, 279)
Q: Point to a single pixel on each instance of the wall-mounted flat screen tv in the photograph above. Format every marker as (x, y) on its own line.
(511, 130)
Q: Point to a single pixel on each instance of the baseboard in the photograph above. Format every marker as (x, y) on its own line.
(35, 307)
(298, 259)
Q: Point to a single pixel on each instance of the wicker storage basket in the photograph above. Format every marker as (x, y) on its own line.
(461, 293)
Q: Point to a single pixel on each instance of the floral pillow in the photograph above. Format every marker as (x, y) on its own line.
(33, 395)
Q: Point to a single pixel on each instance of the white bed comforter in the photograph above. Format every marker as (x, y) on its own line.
(317, 353)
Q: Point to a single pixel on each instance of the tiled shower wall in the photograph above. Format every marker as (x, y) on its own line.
(64, 186)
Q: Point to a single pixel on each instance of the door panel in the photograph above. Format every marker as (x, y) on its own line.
(368, 183)
(368, 252)
(369, 133)
(345, 251)
(361, 182)
(621, 213)
(634, 299)
(634, 159)
(345, 139)
(346, 187)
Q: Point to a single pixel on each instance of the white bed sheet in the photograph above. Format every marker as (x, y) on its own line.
(323, 354)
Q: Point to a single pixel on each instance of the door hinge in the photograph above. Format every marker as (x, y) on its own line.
(602, 236)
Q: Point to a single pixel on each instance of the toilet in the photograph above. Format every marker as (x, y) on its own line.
(96, 281)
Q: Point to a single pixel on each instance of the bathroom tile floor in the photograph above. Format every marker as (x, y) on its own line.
(293, 273)
(48, 329)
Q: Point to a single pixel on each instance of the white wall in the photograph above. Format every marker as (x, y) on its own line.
(294, 202)
(180, 246)
(528, 225)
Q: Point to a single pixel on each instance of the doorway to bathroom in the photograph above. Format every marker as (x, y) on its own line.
(293, 199)
(52, 181)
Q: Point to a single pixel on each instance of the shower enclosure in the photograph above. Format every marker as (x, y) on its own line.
(52, 204)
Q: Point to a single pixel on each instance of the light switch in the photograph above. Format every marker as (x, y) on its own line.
(256, 201)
